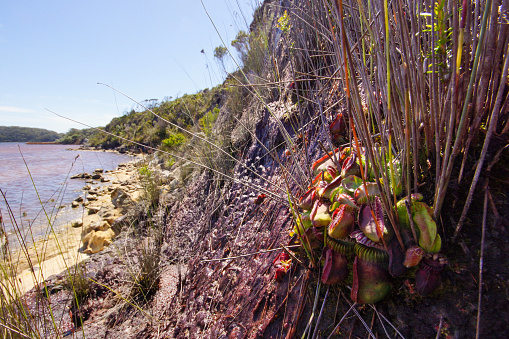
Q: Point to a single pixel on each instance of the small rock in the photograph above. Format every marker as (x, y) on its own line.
(91, 197)
(103, 179)
(100, 225)
(77, 223)
(81, 176)
(96, 176)
(79, 199)
(98, 170)
(93, 209)
(87, 187)
(174, 184)
(75, 204)
(55, 288)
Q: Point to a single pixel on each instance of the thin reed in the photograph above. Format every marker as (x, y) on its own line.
(423, 80)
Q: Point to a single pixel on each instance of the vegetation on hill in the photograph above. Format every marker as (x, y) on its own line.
(77, 136)
(27, 134)
(192, 112)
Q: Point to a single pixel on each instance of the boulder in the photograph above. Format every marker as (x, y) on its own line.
(136, 195)
(96, 176)
(103, 179)
(75, 204)
(95, 241)
(110, 215)
(79, 199)
(93, 209)
(119, 223)
(87, 187)
(98, 170)
(91, 197)
(99, 225)
(120, 198)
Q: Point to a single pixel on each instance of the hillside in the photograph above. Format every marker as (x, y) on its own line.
(353, 184)
(27, 134)
(154, 126)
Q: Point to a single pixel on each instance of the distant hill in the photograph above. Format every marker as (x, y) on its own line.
(26, 134)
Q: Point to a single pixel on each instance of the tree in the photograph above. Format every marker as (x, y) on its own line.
(241, 44)
(219, 54)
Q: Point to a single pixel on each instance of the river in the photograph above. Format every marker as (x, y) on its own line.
(44, 181)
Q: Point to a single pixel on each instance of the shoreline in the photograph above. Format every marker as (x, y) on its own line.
(79, 238)
(41, 143)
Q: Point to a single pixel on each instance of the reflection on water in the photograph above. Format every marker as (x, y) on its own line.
(50, 167)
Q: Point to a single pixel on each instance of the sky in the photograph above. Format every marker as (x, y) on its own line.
(53, 53)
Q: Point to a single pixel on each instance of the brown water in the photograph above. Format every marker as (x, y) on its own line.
(51, 167)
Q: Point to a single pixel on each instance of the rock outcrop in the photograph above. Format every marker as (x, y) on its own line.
(105, 205)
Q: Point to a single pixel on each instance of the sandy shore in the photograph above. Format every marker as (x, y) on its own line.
(61, 250)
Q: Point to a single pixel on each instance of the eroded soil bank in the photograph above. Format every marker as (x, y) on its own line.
(203, 294)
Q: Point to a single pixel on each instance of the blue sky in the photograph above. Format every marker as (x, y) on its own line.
(54, 52)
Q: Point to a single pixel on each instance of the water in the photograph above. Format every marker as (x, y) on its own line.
(51, 167)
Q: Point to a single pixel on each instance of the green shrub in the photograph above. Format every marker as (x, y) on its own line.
(150, 184)
(208, 120)
(173, 141)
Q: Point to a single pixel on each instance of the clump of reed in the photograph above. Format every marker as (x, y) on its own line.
(406, 77)
(425, 82)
